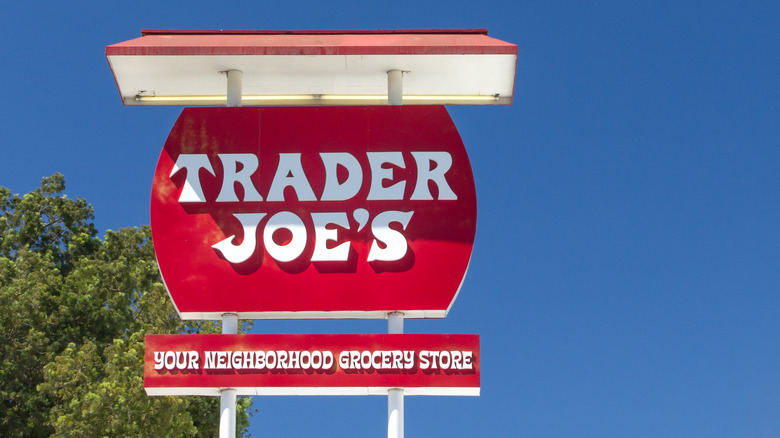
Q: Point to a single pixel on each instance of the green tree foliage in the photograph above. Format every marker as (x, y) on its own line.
(74, 310)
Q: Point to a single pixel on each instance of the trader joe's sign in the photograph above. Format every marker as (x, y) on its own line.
(313, 212)
(422, 364)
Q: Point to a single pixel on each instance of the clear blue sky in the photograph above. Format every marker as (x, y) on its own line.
(626, 273)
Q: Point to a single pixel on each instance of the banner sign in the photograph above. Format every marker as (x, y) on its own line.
(423, 364)
(313, 212)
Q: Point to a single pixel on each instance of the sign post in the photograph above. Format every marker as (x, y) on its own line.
(227, 396)
(395, 396)
(395, 320)
(360, 205)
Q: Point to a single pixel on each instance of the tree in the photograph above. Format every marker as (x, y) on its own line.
(75, 310)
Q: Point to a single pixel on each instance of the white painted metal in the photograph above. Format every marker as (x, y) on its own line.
(395, 87)
(373, 314)
(234, 87)
(227, 413)
(227, 396)
(312, 390)
(395, 413)
(395, 322)
(230, 324)
(395, 396)
(441, 76)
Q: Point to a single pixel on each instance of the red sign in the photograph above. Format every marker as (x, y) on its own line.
(312, 364)
(313, 212)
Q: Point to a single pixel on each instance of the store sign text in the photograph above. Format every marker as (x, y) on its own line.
(238, 170)
(312, 364)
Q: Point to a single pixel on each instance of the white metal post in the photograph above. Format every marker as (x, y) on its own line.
(395, 413)
(227, 396)
(395, 396)
(234, 88)
(395, 320)
(395, 87)
(395, 323)
(230, 324)
(227, 413)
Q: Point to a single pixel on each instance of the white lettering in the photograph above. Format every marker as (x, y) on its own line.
(249, 359)
(292, 249)
(322, 235)
(424, 363)
(468, 363)
(327, 360)
(316, 360)
(211, 360)
(379, 174)
(192, 364)
(170, 360)
(425, 173)
(290, 173)
(395, 242)
(222, 359)
(305, 360)
(270, 360)
(333, 190)
(181, 360)
(241, 253)
(259, 359)
(236, 360)
(294, 362)
(447, 359)
(232, 175)
(282, 356)
(158, 360)
(457, 358)
(344, 361)
(408, 359)
(192, 191)
(397, 356)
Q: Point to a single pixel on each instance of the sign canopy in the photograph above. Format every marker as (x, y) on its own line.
(178, 67)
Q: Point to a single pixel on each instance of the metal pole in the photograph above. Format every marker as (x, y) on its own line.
(395, 323)
(227, 413)
(395, 87)
(234, 85)
(395, 396)
(395, 320)
(227, 396)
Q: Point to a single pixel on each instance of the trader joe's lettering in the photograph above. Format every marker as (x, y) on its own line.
(238, 169)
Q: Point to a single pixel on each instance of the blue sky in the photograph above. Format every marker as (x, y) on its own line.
(626, 269)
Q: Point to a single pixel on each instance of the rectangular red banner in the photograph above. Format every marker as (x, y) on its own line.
(347, 364)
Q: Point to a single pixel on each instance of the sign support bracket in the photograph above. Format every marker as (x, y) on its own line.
(395, 87)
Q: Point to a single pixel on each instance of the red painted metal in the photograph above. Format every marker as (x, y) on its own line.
(440, 233)
(145, 32)
(455, 372)
(417, 42)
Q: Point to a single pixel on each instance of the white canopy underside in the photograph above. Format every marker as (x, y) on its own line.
(314, 79)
